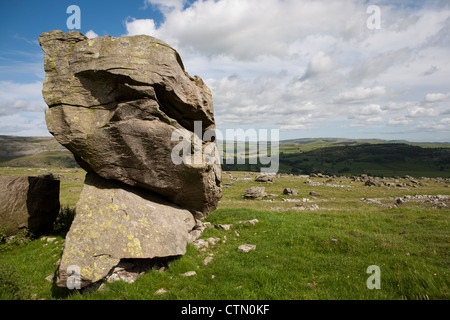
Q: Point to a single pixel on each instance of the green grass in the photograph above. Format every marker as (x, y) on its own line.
(48, 159)
(295, 256)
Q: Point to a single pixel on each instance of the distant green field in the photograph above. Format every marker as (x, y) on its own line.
(35, 152)
(299, 156)
(46, 159)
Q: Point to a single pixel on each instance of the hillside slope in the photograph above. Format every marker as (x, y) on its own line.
(388, 159)
(35, 152)
(299, 156)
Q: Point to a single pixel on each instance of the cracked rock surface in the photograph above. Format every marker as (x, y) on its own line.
(114, 221)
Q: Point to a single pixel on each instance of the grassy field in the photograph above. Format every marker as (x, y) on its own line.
(321, 253)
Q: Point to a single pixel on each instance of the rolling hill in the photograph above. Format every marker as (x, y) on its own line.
(34, 152)
(338, 156)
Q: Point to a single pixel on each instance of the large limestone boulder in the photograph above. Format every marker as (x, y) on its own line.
(115, 221)
(116, 103)
(28, 202)
(142, 128)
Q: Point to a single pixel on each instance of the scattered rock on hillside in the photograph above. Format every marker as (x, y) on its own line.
(374, 183)
(290, 192)
(200, 243)
(368, 200)
(194, 235)
(311, 207)
(188, 274)
(252, 221)
(224, 226)
(246, 247)
(160, 291)
(207, 260)
(264, 178)
(255, 193)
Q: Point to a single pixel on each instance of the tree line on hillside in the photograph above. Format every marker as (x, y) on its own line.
(373, 159)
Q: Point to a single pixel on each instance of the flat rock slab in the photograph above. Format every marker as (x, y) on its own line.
(115, 221)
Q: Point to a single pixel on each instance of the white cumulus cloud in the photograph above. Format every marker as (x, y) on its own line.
(360, 94)
(302, 65)
(91, 34)
(436, 97)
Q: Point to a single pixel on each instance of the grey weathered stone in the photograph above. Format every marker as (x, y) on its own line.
(115, 104)
(129, 270)
(115, 221)
(375, 183)
(200, 243)
(290, 192)
(252, 221)
(224, 226)
(194, 235)
(121, 105)
(255, 192)
(246, 247)
(28, 202)
(264, 178)
(160, 291)
(189, 274)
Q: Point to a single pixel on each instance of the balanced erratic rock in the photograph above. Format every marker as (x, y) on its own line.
(115, 103)
(144, 131)
(28, 202)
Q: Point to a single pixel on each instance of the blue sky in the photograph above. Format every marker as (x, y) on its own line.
(21, 23)
(308, 68)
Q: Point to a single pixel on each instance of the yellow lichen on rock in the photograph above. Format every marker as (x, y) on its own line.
(134, 248)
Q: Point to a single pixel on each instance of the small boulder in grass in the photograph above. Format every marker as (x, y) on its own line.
(246, 247)
(255, 193)
(252, 221)
(189, 274)
(161, 291)
(224, 226)
(290, 192)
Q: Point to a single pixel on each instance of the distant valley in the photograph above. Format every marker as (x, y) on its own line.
(337, 156)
